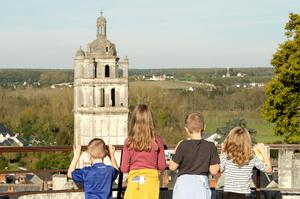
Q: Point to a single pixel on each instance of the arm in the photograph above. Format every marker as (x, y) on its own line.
(72, 167)
(125, 164)
(112, 156)
(214, 165)
(173, 165)
(214, 169)
(262, 149)
(161, 156)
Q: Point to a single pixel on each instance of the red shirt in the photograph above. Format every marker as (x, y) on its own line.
(153, 159)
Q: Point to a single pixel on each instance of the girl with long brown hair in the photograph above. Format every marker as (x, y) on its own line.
(237, 162)
(143, 156)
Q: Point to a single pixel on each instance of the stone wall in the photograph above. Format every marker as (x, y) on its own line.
(289, 171)
(73, 195)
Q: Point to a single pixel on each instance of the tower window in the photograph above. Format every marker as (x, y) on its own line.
(107, 71)
(102, 97)
(106, 49)
(113, 97)
(95, 70)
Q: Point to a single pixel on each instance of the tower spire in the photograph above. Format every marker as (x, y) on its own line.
(101, 25)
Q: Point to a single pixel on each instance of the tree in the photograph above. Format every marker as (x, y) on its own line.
(282, 106)
(241, 122)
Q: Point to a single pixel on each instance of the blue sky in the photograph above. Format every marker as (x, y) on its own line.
(154, 34)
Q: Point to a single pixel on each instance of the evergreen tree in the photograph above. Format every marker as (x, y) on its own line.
(283, 104)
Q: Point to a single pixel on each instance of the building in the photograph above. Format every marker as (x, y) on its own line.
(100, 91)
(8, 138)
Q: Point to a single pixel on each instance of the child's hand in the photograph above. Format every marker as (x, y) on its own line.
(111, 150)
(77, 151)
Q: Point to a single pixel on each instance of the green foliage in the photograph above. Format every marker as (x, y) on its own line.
(53, 161)
(236, 122)
(283, 104)
(3, 162)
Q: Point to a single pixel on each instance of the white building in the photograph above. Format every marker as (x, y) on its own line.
(100, 91)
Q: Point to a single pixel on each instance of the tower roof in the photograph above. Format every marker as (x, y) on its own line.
(80, 53)
(101, 19)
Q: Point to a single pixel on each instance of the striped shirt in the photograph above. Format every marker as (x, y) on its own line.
(237, 179)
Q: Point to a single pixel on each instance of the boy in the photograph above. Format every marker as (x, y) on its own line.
(98, 178)
(195, 158)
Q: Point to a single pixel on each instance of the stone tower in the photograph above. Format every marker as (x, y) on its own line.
(100, 91)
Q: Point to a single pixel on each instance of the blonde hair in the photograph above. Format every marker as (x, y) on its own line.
(194, 122)
(97, 148)
(238, 146)
(142, 129)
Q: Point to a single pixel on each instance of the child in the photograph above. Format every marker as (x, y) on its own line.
(195, 158)
(98, 178)
(143, 156)
(238, 161)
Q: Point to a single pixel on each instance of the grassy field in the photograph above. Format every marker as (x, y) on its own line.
(215, 118)
(167, 84)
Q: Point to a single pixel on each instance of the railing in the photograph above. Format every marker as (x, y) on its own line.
(119, 188)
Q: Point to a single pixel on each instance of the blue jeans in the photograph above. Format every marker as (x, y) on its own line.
(192, 186)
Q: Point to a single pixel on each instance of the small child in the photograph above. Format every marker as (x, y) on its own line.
(237, 162)
(195, 158)
(143, 156)
(97, 179)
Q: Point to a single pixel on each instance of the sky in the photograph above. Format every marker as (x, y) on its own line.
(152, 33)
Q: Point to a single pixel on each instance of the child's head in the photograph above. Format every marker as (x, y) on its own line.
(97, 148)
(194, 123)
(238, 146)
(142, 129)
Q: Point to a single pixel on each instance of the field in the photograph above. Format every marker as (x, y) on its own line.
(176, 84)
(216, 118)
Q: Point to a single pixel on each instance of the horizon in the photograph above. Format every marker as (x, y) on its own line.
(168, 34)
(183, 68)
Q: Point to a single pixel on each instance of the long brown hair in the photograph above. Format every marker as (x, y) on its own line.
(142, 130)
(238, 146)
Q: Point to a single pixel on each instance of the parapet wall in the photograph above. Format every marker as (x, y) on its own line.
(73, 195)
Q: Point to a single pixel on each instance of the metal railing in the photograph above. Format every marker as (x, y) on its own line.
(119, 188)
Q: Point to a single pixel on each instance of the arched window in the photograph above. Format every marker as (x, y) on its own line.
(95, 69)
(113, 97)
(107, 71)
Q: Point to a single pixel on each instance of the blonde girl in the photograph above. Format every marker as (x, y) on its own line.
(237, 162)
(143, 156)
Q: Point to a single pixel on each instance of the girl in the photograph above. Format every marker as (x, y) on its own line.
(143, 156)
(238, 161)
(195, 158)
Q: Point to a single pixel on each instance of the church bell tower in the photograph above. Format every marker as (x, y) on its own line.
(100, 91)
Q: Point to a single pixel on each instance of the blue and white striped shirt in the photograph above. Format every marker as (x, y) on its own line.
(237, 179)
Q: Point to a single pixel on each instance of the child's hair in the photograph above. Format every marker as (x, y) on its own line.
(142, 129)
(97, 148)
(194, 122)
(238, 146)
